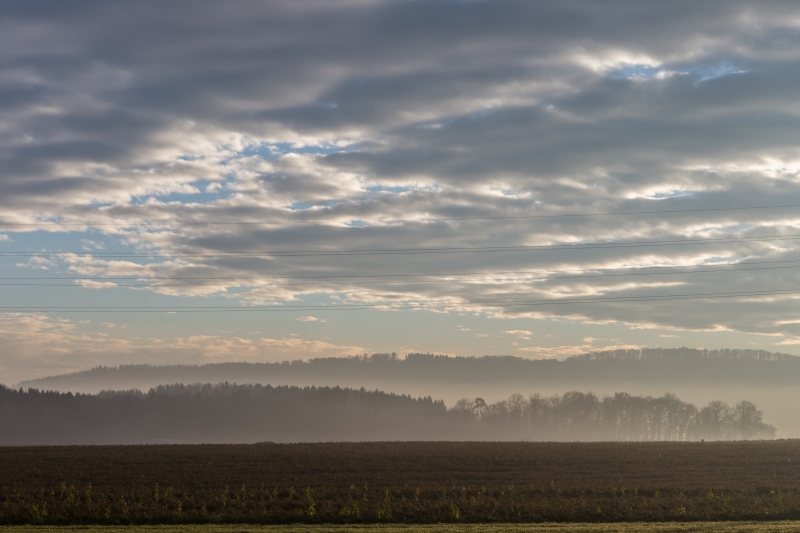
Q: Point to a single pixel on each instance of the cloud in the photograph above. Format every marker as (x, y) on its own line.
(322, 126)
(521, 333)
(38, 345)
(92, 284)
(310, 318)
(565, 351)
(214, 348)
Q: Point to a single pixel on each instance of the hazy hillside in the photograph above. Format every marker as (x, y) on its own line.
(699, 376)
(250, 413)
(653, 366)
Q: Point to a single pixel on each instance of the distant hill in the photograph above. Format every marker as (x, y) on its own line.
(652, 366)
(772, 380)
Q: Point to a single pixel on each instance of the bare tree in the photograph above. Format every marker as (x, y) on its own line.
(714, 421)
(747, 419)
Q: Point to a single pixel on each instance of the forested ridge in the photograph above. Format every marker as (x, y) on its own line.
(652, 366)
(227, 413)
(683, 354)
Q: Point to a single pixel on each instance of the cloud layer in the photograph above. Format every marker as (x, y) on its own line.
(374, 125)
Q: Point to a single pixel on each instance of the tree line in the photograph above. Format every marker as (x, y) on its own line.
(229, 413)
(221, 413)
(425, 373)
(683, 354)
(621, 417)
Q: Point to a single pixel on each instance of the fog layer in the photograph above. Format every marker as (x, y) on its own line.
(696, 376)
(228, 413)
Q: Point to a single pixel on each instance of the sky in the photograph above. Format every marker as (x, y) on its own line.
(196, 181)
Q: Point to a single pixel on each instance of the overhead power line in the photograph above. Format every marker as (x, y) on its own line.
(227, 282)
(418, 251)
(581, 273)
(389, 307)
(404, 220)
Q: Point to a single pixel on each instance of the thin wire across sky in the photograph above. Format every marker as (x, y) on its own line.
(503, 304)
(486, 277)
(418, 251)
(381, 220)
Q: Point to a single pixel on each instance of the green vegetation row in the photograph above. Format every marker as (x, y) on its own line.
(71, 504)
(251, 413)
(351, 483)
(668, 527)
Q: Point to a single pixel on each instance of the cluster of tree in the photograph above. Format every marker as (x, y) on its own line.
(637, 354)
(621, 417)
(251, 413)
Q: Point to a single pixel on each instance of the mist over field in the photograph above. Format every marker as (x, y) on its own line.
(410, 261)
(252, 192)
(695, 376)
(225, 413)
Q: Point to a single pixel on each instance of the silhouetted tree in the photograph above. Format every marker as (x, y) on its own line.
(747, 420)
(248, 413)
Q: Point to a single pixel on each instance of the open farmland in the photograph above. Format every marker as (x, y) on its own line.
(550, 527)
(400, 483)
